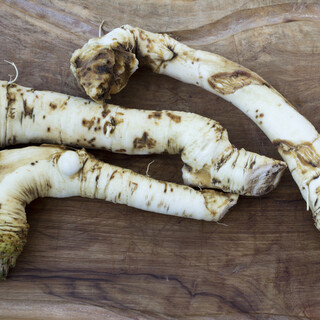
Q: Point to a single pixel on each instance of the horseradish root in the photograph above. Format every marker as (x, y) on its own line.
(30, 116)
(53, 171)
(104, 65)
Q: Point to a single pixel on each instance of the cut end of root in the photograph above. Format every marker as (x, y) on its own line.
(219, 203)
(257, 181)
(265, 178)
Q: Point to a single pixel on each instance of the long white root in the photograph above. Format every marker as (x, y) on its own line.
(211, 161)
(103, 67)
(53, 171)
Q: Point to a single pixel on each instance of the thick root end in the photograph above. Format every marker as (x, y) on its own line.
(256, 181)
(103, 71)
(219, 203)
(11, 245)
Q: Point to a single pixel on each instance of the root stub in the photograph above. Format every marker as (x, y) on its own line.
(11, 245)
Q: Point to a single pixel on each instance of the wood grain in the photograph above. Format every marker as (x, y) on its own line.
(88, 259)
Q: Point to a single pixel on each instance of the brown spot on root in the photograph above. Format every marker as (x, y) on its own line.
(215, 181)
(117, 120)
(252, 164)
(88, 123)
(113, 174)
(144, 141)
(48, 129)
(11, 97)
(91, 141)
(225, 157)
(28, 111)
(173, 117)
(120, 150)
(304, 153)
(230, 82)
(53, 106)
(142, 35)
(105, 127)
(160, 204)
(133, 186)
(112, 124)
(219, 131)
(155, 114)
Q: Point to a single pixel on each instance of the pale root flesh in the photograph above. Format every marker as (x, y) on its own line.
(31, 116)
(53, 171)
(295, 137)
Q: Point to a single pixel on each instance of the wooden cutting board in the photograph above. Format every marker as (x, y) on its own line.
(89, 259)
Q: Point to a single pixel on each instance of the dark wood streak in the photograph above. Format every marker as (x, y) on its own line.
(88, 123)
(247, 19)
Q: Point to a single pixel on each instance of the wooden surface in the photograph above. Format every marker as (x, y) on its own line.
(89, 259)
